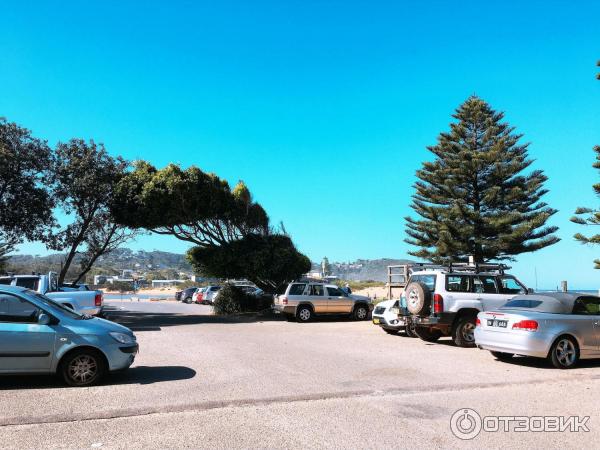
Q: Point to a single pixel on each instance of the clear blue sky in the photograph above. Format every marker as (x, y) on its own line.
(323, 108)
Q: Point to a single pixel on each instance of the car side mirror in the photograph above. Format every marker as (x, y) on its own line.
(530, 290)
(44, 319)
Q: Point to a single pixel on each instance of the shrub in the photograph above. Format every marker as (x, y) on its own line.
(233, 300)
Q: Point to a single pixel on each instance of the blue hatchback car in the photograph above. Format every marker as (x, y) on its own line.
(38, 335)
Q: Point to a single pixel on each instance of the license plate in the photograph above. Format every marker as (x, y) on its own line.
(376, 321)
(497, 323)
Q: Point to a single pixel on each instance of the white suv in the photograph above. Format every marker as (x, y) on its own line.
(445, 300)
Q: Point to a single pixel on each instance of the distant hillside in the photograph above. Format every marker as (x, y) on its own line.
(122, 258)
(142, 261)
(363, 269)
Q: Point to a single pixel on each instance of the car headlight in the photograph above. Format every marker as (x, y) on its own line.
(123, 338)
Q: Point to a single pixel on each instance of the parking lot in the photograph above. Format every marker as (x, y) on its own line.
(202, 381)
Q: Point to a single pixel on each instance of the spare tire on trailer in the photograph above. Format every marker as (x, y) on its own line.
(418, 299)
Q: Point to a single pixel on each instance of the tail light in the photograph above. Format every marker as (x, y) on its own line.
(525, 325)
(98, 299)
(284, 300)
(438, 303)
(477, 322)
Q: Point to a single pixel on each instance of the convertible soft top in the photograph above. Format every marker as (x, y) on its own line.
(551, 302)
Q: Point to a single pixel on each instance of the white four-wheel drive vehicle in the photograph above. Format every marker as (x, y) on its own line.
(303, 300)
(445, 300)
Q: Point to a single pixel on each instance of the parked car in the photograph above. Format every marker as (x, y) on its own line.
(197, 296)
(185, 295)
(40, 335)
(80, 300)
(561, 327)
(209, 295)
(305, 300)
(445, 300)
(386, 314)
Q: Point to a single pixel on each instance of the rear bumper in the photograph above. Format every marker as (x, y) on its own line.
(518, 342)
(90, 310)
(284, 309)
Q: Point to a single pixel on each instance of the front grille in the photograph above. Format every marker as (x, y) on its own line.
(379, 310)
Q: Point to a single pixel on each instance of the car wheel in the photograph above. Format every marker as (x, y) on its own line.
(304, 314)
(394, 332)
(564, 353)
(502, 356)
(463, 333)
(82, 368)
(418, 299)
(361, 312)
(410, 330)
(428, 335)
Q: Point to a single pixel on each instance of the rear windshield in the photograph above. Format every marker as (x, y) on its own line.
(427, 279)
(297, 289)
(522, 304)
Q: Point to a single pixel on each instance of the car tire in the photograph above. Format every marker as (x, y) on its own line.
(418, 299)
(501, 356)
(564, 353)
(304, 314)
(463, 333)
(394, 332)
(410, 330)
(361, 312)
(427, 334)
(85, 367)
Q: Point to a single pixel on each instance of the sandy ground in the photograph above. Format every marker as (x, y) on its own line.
(377, 292)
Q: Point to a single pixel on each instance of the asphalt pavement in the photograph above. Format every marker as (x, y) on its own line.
(201, 381)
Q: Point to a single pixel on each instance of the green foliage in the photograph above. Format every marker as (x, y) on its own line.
(121, 286)
(25, 202)
(269, 261)
(589, 216)
(84, 176)
(233, 300)
(189, 204)
(474, 198)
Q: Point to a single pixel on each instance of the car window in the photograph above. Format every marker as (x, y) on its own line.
(334, 292)
(28, 282)
(297, 289)
(484, 285)
(15, 309)
(587, 306)
(458, 283)
(428, 280)
(6, 281)
(509, 285)
(317, 289)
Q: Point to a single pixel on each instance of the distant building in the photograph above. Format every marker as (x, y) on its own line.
(166, 283)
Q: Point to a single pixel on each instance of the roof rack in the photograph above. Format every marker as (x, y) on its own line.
(398, 275)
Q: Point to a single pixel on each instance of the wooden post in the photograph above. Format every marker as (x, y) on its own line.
(564, 286)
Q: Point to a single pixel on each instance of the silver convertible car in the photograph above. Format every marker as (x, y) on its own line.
(559, 326)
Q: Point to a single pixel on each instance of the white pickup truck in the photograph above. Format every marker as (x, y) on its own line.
(82, 301)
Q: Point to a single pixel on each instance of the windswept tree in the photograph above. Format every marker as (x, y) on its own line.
(192, 205)
(84, 177)
(26, 206)
(477, 197)
(589, 216)
(230, 231)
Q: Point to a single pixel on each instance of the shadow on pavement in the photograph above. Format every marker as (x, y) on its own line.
(135, 375)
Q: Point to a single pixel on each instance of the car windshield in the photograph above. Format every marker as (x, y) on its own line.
(523, 304)
(53, 306)
(427, 279)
